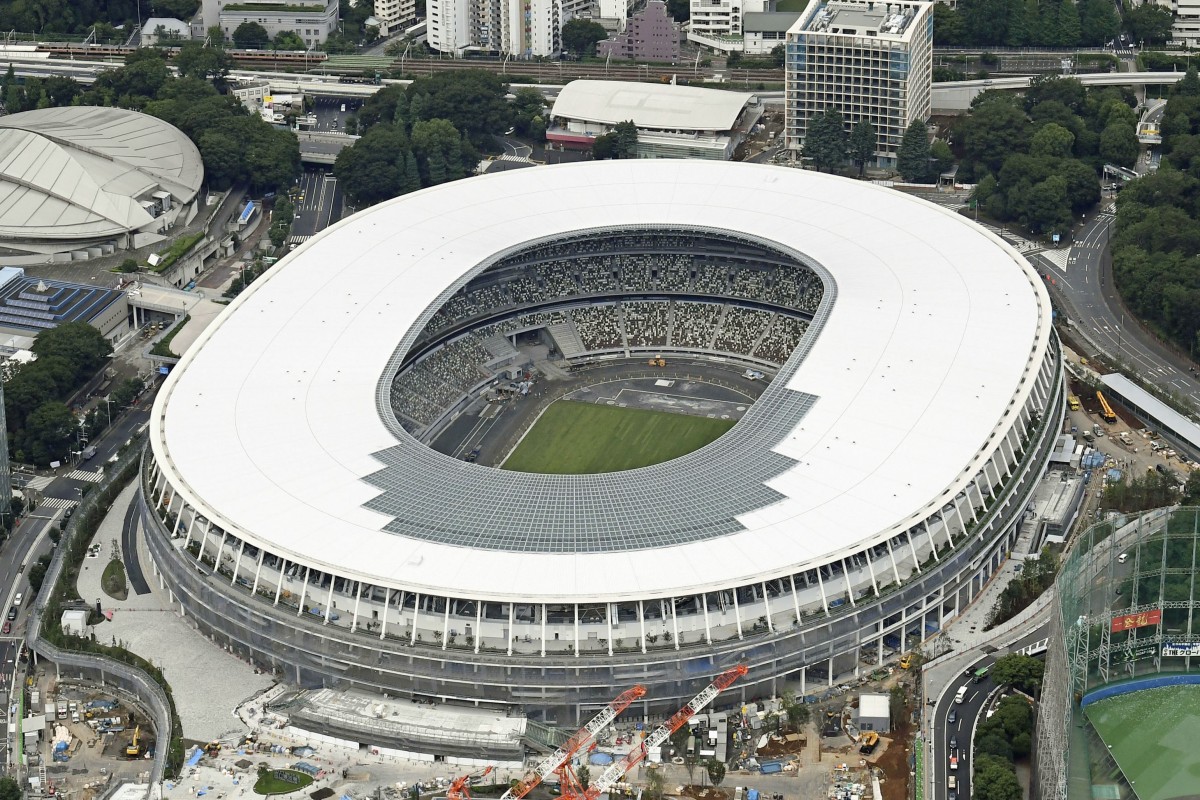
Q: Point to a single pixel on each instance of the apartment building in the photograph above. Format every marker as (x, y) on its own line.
(395, 15)
(869, 60)
(523, 28)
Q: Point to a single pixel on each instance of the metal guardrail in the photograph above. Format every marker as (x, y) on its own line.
(133, 680)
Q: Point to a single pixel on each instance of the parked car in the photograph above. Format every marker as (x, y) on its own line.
(7, 627)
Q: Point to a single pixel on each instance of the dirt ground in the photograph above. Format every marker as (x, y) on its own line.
(705, 793)
(792, 744)
(893, 761)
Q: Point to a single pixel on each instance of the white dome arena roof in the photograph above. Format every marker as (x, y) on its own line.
(78, 172)
(931, 338)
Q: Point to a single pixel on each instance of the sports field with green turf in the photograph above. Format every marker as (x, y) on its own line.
(573, 438)
(1153, 735)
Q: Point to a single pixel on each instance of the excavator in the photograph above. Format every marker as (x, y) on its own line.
(135, 747)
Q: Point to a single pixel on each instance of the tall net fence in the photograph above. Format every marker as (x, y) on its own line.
(1127, 610)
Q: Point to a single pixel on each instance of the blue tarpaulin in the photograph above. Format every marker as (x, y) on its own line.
(195, 757)
(247, 212)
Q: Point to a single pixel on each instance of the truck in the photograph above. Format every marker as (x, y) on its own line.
(88, 453)
(62, 709)
(1073, 402)
(962, 694)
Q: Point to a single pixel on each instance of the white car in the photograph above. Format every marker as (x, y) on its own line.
(18, 598)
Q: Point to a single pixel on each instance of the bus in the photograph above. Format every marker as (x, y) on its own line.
(1073, 402)
(980, 674)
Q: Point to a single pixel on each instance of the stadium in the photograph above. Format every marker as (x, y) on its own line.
(1119, 672)
(81, 182)
(854, 392)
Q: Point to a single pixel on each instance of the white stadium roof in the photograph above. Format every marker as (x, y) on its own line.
(77, 172)
(652, 106)
(927, 351)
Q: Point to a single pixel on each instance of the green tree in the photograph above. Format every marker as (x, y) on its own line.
(825, 140)
(288, 40)
(912, 159)
(654, 784)
(1189, 86)
(584, 775)
(78, 343)
(9, 789)
(1098, 22)
(374, 168)
(48, 433)
(1119, 144)
(1191, 489)
(861, 145)
(994, 779)
(206, 63)
(942, 157)
(1052, 140)
(251, 36)
(948, 30)
(680, 10)
(627, 139)
(435, 143)
(1018, 670)
(1149, 23)
(580, 36)
(715, 770)
(475, 101)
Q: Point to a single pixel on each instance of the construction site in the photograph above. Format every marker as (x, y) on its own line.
(80, 742)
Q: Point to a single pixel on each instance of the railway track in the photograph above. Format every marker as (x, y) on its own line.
(540, 72)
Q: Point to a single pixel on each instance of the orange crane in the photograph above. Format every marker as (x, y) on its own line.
(614, 773)
(582, 738)
(459, 790)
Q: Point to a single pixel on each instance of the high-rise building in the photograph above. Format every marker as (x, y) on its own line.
(717, 24)
(523, 28)
(869, 60)
(395, 15)
(651, 35)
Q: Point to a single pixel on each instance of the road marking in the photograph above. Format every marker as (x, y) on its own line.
(57, 502)
(86, 475)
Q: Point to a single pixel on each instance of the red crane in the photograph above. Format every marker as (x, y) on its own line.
(582, 738)
(659, 735)
(459, 790)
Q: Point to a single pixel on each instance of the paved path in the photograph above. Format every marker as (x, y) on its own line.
(207, 682)
(129, 550)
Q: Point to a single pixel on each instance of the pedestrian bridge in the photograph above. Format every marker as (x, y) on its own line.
(954, 96)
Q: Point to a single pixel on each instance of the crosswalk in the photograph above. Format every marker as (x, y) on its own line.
(1057, 256)
(86, 475)
(39, 483)
(52, 503)
(298, 239)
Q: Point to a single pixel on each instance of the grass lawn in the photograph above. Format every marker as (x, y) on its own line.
(269, 784)
(113, 580)
(1153, 735)
(573, 438)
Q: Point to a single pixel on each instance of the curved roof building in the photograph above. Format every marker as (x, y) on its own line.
(87, 180)
(866, 494)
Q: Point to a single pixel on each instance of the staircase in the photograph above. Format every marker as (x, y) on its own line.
(566, 338)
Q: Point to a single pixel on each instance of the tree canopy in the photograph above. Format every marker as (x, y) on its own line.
(251, 36)
(580, 36)
(620, 142)
(861, 145)
(1026, 23)
(825, 140)
(912, 159)
(1018, 670)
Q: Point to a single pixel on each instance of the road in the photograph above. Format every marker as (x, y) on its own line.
(967, 717)
(31, 540)
(320, 206)
(1084, 290)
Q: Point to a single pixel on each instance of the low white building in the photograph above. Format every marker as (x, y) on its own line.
(165, 31)
(874, 713)
(672, 121)
(74, 622)
(311, 20)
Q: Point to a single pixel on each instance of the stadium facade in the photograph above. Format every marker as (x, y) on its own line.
(297, 516)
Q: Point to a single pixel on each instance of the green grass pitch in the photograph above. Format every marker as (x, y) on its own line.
(1153, 735)
(573, 438)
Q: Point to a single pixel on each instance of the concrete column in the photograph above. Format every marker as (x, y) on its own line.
(512, 627)
(303, 593)
(543, 630)
(478, 623)
(642, 622)
(821, 586)
(329, 598)
(237, 563)
(258, 570)
(675, 622)
(913, 548)
(357, 601)
(846, 578)
(737, 612)
(892, 558)
(795, 597)
(387, 604)
(608, 617)
(577, 630)
(279, 583)
(707, 628)
(871, 571)
(446, 626)
(191, 527)
(416, 614)
(767, 606)
(204, 541)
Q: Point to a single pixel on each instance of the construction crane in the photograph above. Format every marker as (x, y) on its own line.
(1106, 411)
(134, 750)
(459, 788)
(659, 735)
(582, 738)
